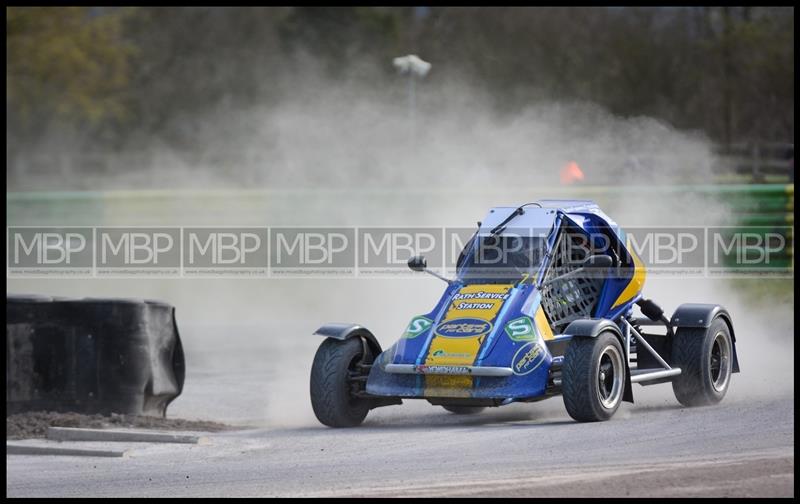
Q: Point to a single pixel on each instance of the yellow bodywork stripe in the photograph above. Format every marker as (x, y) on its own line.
(542, 325)
(637, 280)
(461, 351)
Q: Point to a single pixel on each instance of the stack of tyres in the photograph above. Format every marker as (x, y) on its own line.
(92, 355)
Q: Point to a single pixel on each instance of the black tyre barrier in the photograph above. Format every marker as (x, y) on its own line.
(92, 355)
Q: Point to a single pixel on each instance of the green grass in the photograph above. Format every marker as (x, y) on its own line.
(763, 291)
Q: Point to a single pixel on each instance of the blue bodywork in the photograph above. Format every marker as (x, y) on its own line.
(510, 308)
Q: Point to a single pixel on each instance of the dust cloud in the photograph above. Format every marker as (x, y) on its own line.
(334, 154)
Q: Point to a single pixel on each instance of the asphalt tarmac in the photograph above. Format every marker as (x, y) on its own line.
(249, 350)
(740, 447)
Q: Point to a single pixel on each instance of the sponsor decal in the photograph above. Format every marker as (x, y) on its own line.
(451, 370)
(442, 353)
(480, 295)
(463, 328)
(521, 329)
(417, 326)
(474, 306)
(529, 357)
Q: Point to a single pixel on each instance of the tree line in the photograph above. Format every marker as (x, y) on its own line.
(112, 77)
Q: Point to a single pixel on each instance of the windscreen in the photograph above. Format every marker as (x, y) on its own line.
(503, 258)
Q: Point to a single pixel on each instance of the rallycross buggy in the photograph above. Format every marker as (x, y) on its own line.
(540, 309)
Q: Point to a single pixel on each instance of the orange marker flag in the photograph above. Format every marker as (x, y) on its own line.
(571, 173)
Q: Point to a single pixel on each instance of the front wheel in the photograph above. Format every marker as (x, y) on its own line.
(705, 356)
(593, 377)
(335, 366)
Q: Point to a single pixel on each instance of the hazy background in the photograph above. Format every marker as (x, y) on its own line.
(111, 97)
(295, 116)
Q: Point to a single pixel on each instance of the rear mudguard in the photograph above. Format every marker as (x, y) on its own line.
(702, 315)
(591, 328)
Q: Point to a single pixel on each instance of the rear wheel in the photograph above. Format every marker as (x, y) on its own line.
(333, 384)
(593, 377)
(705, 356)
(464, 410)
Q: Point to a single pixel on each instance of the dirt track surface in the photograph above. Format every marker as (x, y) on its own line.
(34, 424)
(255, 371)
(737, 448)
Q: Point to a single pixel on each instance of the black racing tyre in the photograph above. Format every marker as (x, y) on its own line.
(464, 410)
(593, 377)
(331, 388)
(705, 356)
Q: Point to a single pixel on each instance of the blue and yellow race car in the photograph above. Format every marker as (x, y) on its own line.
(543, 303)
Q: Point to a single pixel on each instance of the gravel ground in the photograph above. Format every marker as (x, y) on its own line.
(737, 448)
(34, 424)
(249, 350)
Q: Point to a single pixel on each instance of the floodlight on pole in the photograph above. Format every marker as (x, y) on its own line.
(415, 67)
(412, 64)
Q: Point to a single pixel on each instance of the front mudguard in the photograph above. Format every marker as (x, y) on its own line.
(344, 331)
